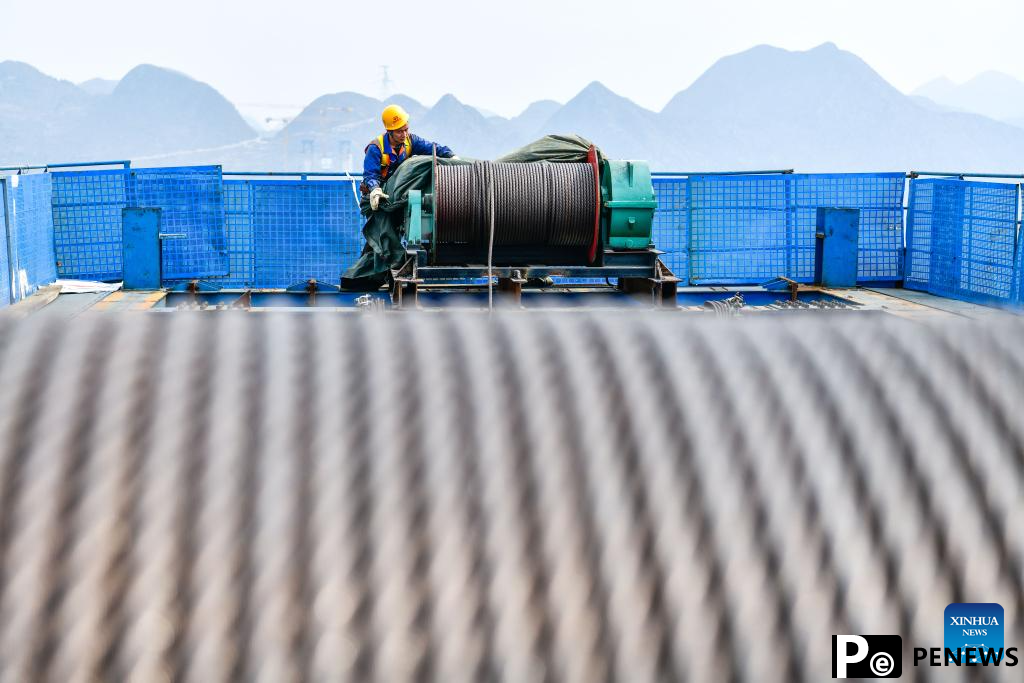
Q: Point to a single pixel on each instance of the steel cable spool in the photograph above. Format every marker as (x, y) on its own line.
(638, 498)
(537, 204)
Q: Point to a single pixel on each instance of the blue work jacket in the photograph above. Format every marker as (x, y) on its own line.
(375, 171)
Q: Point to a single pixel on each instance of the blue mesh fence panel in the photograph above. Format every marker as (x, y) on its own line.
(750, 229)
(192, 204)
(303, 230)
(739, 230)
(31, 232)
(238, 225)
(919, 235)
(670, 230)
(5, 280)
(961, 239)
(87, 223)
(879, 197)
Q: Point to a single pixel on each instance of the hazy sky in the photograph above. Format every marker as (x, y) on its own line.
(495, 55)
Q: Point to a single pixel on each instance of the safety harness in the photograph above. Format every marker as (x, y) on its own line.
(385, 156)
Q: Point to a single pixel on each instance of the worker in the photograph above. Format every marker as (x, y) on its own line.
(386, 152)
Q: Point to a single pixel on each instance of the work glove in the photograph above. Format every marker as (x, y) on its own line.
(454, 157)
(376, 194)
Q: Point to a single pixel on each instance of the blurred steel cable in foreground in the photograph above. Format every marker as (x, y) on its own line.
(403, 498)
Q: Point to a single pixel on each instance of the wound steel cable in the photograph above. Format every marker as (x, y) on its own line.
(635, 498)
(536, 204)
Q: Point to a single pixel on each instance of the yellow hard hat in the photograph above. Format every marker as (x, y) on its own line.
(394, 117)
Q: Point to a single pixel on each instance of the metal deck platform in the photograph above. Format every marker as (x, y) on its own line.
(693, 300)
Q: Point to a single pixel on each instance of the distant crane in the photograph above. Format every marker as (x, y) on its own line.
(385, 82)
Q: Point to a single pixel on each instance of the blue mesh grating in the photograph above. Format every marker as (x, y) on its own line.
(5, 280)
(739, 230)
(238, 226)
(303, 230)
(192, 204)
(31, 232)
(919, 235)
(87, 223)
(879, 197)
(87, 219)
(670, 230)
(750, 229)
(961, 238)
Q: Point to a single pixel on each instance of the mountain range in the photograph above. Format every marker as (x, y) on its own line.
(992, 94)
(822, 109)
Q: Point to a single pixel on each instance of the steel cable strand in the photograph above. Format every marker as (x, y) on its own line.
(667, 376)
(153, 605)
(478, 206)
(802, 357)
(561, 206)
(525, 485)
(788, 449)
(243, 561)
(634, 639)
(467, 444)
(570, 576)
(304, 348)
(30, 358)
(360, 391)
(588, 201)
(903, 448)
(190, 500)
(575, 227)
(277, 620)
(757, 396)
(119, 570)
(902, 359)
(448, 571)
(954, 436)
(411, 574)
(507, 212)
(29, 484)
(554, 366)
(644, 436)
(401, 646)
(71, 528)
(332, 594)
(217, 524)
(508, 592)
(1007, 361)
(979, 384)
(548, 200)
(440, 205)
(545, 202)
(458, 572)
(738, 450)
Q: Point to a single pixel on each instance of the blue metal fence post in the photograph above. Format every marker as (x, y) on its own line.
(141, 248)
(7, 232)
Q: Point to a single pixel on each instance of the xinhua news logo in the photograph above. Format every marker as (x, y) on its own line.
(867, 656)
(973, 628)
